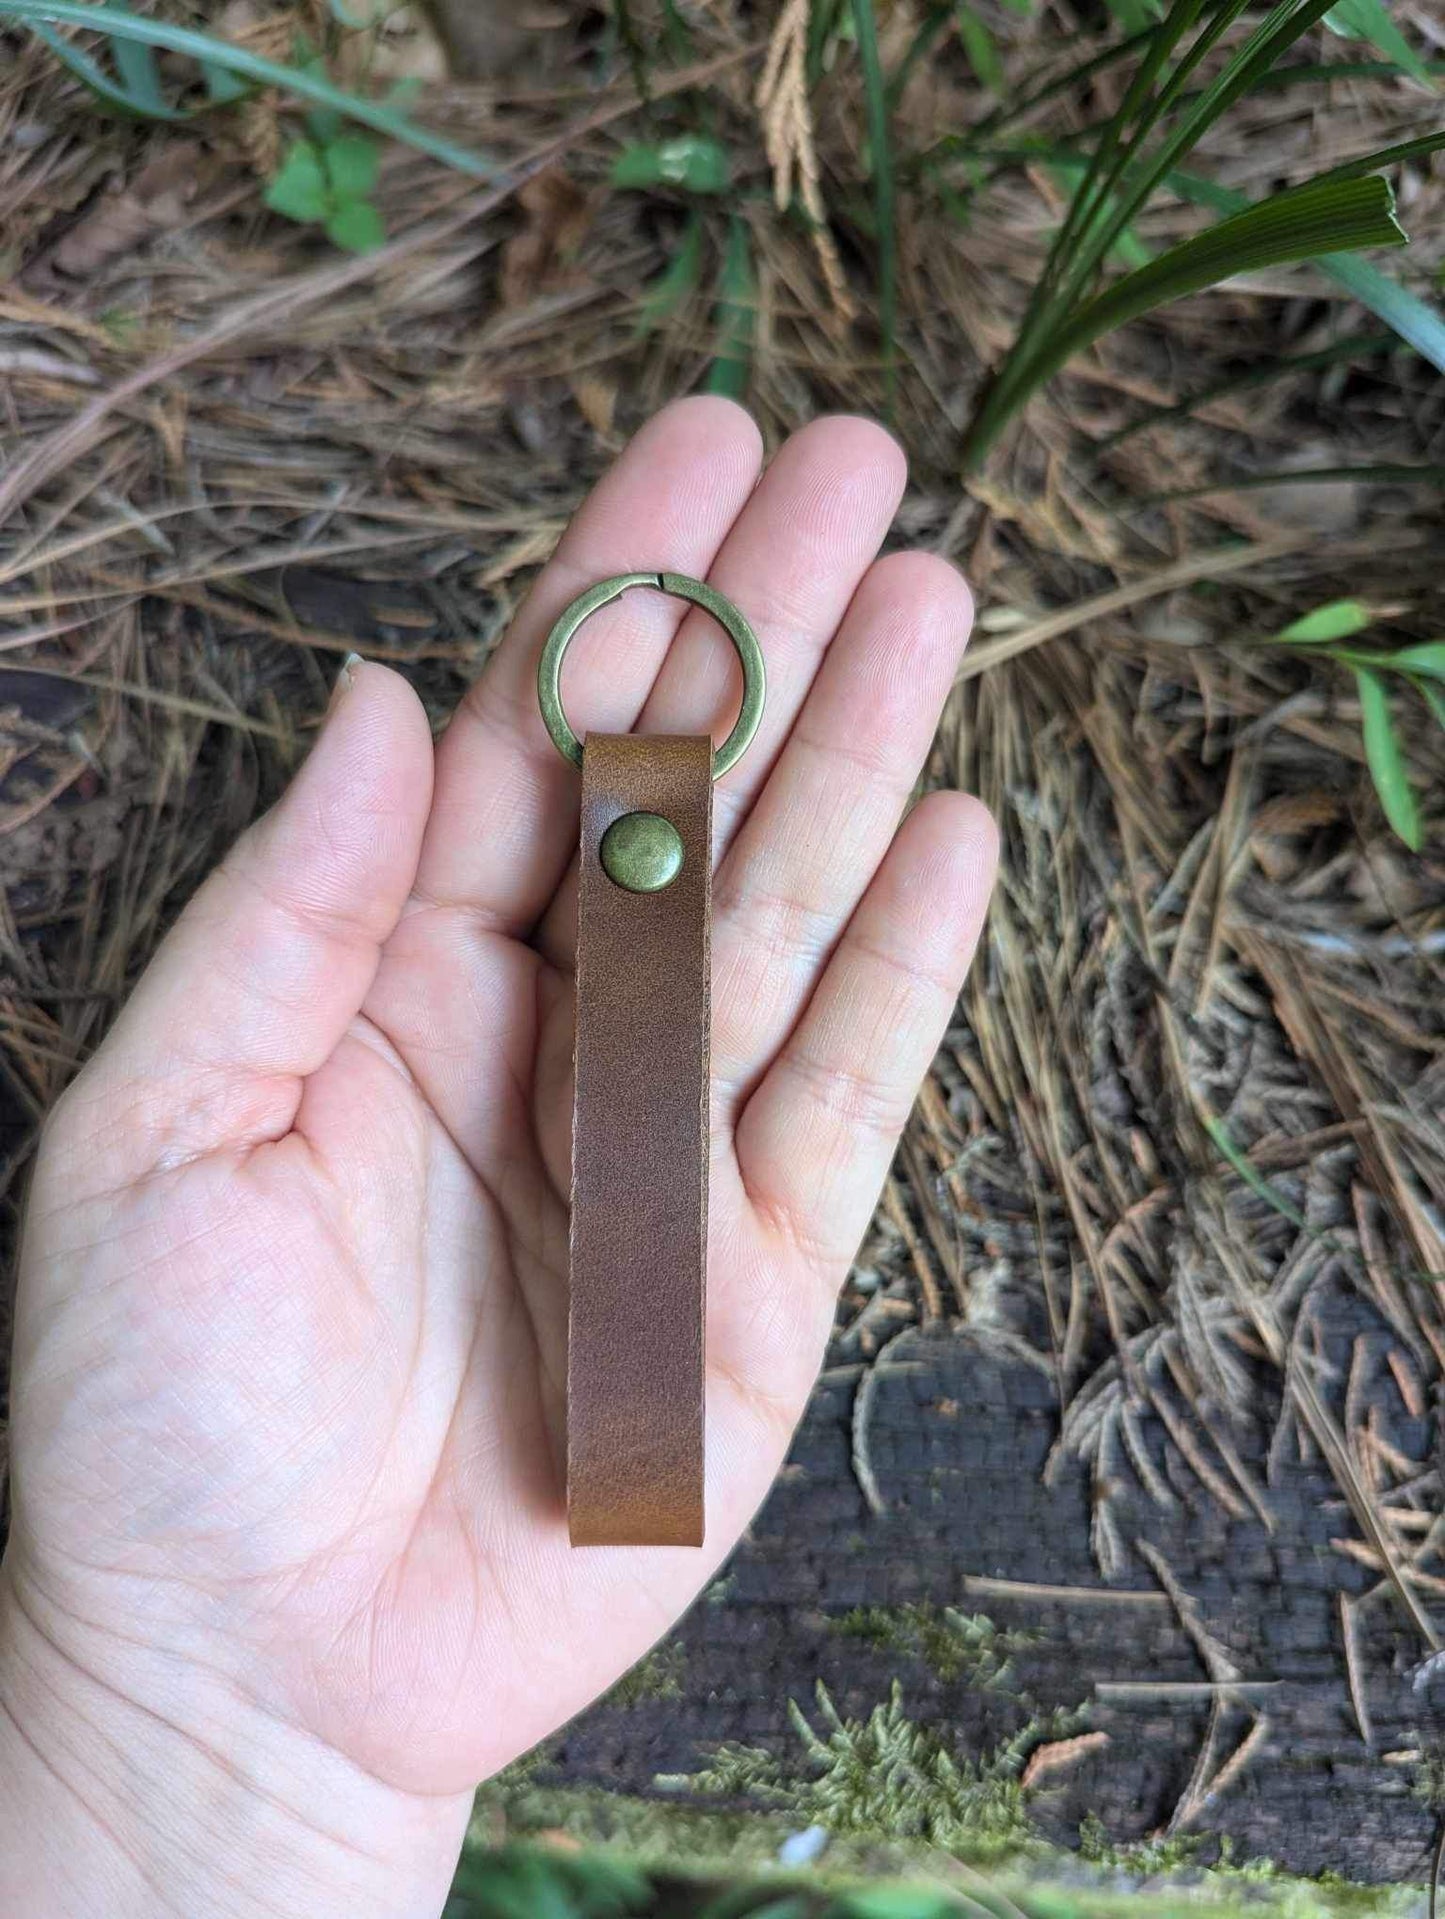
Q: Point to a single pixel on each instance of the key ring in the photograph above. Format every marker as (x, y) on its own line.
(680, 586)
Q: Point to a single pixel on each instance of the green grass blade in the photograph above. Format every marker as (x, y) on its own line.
(824, 20)
(222, 88)
(1385, 757)
(119, 24)
(1329, 71)
(86, 68)
(736, 307)
(1120, 170)
(1368, 20)
(1102, 218)
(1067, 82)
(1387, 157)
(1382, 473)
(662, 296)
(875, 97)
(1117, 141)
(139, 75)
(1295, 225)
(1129, 249)
(1434, 698)
(1278, 31)
(933, 25)
(1416, 322)
(979, 48)
(1255, 1181)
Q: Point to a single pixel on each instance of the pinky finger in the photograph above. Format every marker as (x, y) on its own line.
(817, 1137)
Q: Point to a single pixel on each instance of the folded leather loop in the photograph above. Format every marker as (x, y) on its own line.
(639, 1159)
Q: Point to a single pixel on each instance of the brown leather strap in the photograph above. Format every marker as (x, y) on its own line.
(639, 1159)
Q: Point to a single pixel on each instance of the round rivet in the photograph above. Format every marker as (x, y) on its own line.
(642, 852)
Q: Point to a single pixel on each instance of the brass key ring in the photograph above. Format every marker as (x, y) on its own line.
(549, 672)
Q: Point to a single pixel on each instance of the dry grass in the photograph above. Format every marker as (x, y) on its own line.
(231, 455)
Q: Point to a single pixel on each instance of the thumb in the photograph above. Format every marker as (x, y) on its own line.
(271, 961)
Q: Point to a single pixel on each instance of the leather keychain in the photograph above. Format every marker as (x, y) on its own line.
(640, 1116)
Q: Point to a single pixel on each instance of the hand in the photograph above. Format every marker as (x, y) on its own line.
(290, 1346)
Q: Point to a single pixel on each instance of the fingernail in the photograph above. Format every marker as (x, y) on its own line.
(345, 679)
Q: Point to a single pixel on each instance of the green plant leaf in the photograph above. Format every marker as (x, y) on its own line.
(1428, 659)
(1433, 697)
(299, 189)
(1126, 167)
(1414, 319)
(1417, 323)
(880, 150)
(1335, 620)
(351, 162)
(693, 162)
(1129, 249)
(357, 227)
(728, 373)
(140, 93)
(1369, 20)
(42, 16)
(1121, 164)
(323, 121)
(85, 68)
(934, 21)
(662, 296)
(894, 1902)
(223, 89)
(1244, 1166)
(979, 48)
(139, 75)
(1295, 225)
(1419, 148)
(1385, 757)
(1383, 473)
(1134, 15)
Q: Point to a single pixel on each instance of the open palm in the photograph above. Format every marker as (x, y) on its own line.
(290, 1350)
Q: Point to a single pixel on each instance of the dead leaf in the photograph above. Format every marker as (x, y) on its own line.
(154, 201)
(596, 401)
(556, 213)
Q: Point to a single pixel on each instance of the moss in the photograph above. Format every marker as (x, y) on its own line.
(657, 1676)
(952, 1644)
(896, 1799)
(886, 1777)
(1428, 1782)
(1144, 1857)
(1218, 1878)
